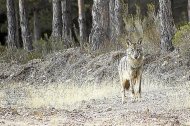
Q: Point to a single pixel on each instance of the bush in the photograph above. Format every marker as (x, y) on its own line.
(19, 56)
(182, 36)
(2, 50)
(181, 39)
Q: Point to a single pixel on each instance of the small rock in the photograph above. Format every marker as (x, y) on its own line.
(165, 63)
(109, 109)
(88, 106)
(2, 122)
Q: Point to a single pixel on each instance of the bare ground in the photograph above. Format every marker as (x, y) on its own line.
(169, 106)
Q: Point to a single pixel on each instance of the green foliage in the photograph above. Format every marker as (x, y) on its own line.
(151, 8)
(181, 40)
(2, 50)
(45, 20)
(40, 46)
(3, 27)
(19, 56)
(182, 35)
(45, 46)
(2, 5)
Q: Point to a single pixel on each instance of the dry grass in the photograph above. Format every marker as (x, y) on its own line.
(65, 95)
(60, 95)
(54, 95)
(179, 97)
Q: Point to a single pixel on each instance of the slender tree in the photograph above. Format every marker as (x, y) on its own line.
(12, 31)
(67, 22)
(82, 22)
(57, 21)
(166, 25)
(24, 23)
(36, 25)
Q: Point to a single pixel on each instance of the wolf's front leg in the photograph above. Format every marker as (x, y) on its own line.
(140, 81)
(138, 87)
(123, 94)
(132, 82)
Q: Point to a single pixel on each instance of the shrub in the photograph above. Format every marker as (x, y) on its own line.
(181, 39)
(19, 56)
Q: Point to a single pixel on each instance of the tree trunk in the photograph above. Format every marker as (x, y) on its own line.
(188, 10)
(24, 23)
(18, 33)
(11, 18)
(57, 21)
(82, 22)
(107, 22)
(67, 22)
(166, 25)
(116, 20)
(36, 26)
(100, 23)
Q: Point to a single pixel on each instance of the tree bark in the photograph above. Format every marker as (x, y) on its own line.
(57, 21)
(18, 33)
(82, 22)
(100, 23)
(67, 22)
(107, 22)
(36, 26)
(24, 23)
(166, 25)
(116, 20)
(188, 8)
(11, 18)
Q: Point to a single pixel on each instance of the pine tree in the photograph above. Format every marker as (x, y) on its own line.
(11, 17)
(24, 24)
(67, 22)
(82, 22)
(166, 25)
(57, 21)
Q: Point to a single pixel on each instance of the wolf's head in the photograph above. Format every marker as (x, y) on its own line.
(134, 50)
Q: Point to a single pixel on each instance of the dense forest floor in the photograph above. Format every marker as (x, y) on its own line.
(76, 88)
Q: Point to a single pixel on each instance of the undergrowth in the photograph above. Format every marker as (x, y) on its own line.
(181, 39)
(19, 56)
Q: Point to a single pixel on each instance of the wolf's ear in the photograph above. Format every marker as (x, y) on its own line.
(140, 41)
(128, 42)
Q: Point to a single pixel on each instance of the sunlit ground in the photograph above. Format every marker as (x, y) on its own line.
(58, 95)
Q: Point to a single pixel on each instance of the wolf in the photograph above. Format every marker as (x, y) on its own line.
(130, 69)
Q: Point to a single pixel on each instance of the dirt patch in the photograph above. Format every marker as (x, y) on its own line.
(156, 107)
